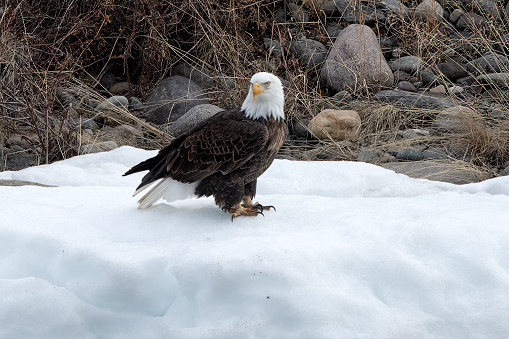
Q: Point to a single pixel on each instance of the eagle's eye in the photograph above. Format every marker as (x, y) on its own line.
(266, 84)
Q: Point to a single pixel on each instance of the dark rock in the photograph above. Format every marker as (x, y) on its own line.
(453, 172)
(387, 45)
(273, 46)
(433, 101)
(135, 104)
(197, 74)
(409, 64)
(18, 161)
(455, 15)
(120, 88)
(340, 99)
(192, 117)
(404, 76)
(470, 20)
(505, 171)
(452, 70)
(353, 13)
(310, 53)
(65, 97)
(107, 80)
(84, 123)
(489, 63)
(300, 129)
(298, 13)
(442, 153)
(410, 154)
(115, 102)
(333, 30)
(497, 80)
(426, 76)
(406, 86)
(356, 61)
(173, 97)
(395, 7)
(487, 8)
(466, 81)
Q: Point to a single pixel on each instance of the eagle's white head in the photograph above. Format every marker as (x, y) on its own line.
(265, 98)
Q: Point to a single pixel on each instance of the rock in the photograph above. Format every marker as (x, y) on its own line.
(335, 124)
(84, 123)
(441, 153)
(504, 172)
(340, 99)
(107, 80)
(456, 90)
(17, 140)
(273, 46)
(489, 63)
(120, 88)
(298, 13)
(414, 133)
(410, 154)
(122, 135)
(387, 45)
(429, 9)
(496, 80)
(356, 61)
(114, 103)
(408, 64)
(65, 97)
(456, 172)
(438, 89)
(197, 74)
(394, 7)
(466, 81)
(18, 161)
(135, 104)
(426, 76)
(487, 8)
(173, 97)
(452, 70)
(470, 20)
(310, 53)
(192, 117)
(374, 156)
(434, 101)
(404, 76)
(453, 119)
(455, 15)
(363, 15)
(333, 30)
(406, 86)
(300, 129)
(104, 146)
(329, 7)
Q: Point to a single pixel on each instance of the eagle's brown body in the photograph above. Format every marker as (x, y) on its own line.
(227, 166)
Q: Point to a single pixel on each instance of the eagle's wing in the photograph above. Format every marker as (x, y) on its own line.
(221, 145)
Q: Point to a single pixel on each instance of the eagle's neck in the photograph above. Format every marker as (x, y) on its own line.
(263, 108)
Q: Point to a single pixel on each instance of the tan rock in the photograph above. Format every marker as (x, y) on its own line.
(335, 124)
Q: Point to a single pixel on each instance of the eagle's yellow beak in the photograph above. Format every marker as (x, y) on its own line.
(256, 90)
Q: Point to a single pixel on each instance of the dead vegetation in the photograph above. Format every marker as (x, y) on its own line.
(71, 44)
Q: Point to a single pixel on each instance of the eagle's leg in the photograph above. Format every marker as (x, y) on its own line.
(248, 202)
(240, 210)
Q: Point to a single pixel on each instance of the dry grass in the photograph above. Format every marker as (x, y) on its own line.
(58, 44)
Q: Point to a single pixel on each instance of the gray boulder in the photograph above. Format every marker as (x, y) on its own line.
(356, 61)
(273, 46)
(434, 101)
(410, 154)
(470, 20)
(197, 74)
(452, 70)
(113, 103)
(173, 97)
(311, 53)
(408, 64)
(394, 6)
(192, 117)
(489, 63)
(497, 80)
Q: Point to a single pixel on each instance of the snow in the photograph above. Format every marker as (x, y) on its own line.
(353, 251)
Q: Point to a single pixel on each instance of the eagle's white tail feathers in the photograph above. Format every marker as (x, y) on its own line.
(168, 189)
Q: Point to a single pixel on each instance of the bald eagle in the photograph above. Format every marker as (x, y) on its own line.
(223, 155)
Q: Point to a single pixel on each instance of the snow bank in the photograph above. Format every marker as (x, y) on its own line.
(353, 251)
